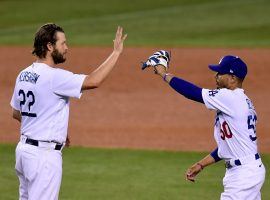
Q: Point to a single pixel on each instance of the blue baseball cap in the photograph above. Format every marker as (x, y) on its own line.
(231, 65)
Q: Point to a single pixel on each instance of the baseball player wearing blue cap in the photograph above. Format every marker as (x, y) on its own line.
(234, 127)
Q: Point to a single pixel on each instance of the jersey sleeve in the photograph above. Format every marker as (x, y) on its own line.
(219, 99)
(15, 102)
(67, 84)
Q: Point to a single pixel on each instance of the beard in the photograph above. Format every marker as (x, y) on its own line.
(57, 57)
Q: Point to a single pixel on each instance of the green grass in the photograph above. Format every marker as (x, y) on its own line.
(119, 174)
(212, 23)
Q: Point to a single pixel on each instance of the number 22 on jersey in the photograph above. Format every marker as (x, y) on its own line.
(28, 100)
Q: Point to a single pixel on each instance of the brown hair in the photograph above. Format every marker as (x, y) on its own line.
(45, 34)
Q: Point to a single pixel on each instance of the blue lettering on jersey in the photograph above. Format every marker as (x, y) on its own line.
(253, 138)
(217, 117)
(250, 104)
(251, 121)
(212, 93)
(29, 77)
(216, 120)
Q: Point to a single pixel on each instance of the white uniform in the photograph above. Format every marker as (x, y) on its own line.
(235, 134)
(41, 95)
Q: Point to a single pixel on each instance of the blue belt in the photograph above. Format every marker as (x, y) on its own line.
(237, 162)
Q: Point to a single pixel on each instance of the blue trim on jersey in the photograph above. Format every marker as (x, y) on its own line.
(187, 89)
(214, 154)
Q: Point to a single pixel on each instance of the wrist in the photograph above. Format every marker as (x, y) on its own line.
(200, 165)
(164, 76)
(160, 70)
(116, 52)
(167, 77)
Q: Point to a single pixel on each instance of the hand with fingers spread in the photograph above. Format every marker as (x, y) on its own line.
(95, 78)
(119, 40)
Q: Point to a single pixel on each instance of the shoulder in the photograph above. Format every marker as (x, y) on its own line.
(62, 71)
(223, 95)
(217, 92)
(25, 69)
(59, 74)
(23, 72)
(223, 92)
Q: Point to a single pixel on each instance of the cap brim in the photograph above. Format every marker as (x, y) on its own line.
(215, 68)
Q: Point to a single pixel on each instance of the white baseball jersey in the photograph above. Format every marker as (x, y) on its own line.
(235, 124)
(42, 94)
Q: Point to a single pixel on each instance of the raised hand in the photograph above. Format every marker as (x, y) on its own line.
(119, 40)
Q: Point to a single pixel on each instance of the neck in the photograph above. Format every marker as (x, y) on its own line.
(234, 86)
(47, 61)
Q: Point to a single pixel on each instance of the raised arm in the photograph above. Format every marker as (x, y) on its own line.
(160, 61)
(95, 79)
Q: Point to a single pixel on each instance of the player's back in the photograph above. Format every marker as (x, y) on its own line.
(44, 113)
(242, 124)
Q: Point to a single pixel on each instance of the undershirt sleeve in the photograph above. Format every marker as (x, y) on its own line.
(187, 89)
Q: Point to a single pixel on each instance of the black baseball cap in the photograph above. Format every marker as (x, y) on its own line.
(231, 65)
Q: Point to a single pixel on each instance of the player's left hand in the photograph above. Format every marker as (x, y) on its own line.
(161, 57)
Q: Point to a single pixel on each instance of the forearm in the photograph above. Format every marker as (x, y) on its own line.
(95, 79)
(206, 161)
(196, 168)
(16, 115)
(183, 87)
(210, 159)
(18, 118)
(187, 89)
(166, 76)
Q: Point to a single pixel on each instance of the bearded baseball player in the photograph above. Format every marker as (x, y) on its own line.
(234, 127)
(40, 103)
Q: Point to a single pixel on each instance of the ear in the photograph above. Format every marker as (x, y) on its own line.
(50, 47)
(233, 79)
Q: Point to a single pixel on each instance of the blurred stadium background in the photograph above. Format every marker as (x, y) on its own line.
(135, 110)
